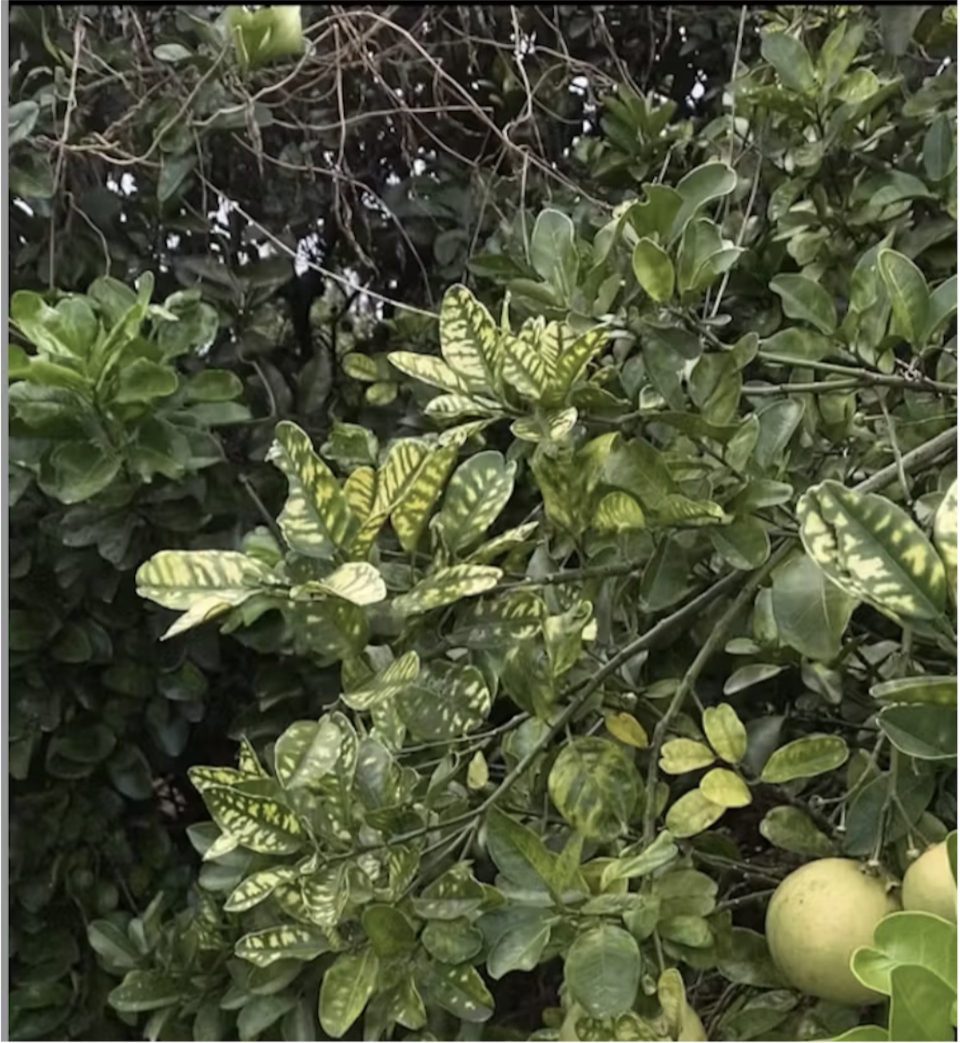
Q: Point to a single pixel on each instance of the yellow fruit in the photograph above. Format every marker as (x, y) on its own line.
(928, 884)
(691, 1027)
(818, 915)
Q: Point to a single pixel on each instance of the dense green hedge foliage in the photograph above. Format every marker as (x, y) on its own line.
(477, 668)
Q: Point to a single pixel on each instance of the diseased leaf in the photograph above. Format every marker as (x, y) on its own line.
(595, 786)
(347, 985)
(804, 758)
(445, 586)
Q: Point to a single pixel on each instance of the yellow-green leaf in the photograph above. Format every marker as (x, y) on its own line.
(429, 370)
(804, 758)
(524, 369)
(255, 888)
(316, 520)
(945, 535)
(654, 270)
(692, 814)
(355, 581)
(681, 755)
(347, 985)
(618, 512)
(552, 427)
(409, 517)
(625, 727)
(937, 691)
(478, 772)
(475, 496)
(595, 786)
(454, 407)
(359, 490)
(725, 732)
(726, 788)
(445, 586)
(873, 550)
(469, 339)
(386, 684)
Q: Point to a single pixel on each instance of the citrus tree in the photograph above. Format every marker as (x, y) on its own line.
(617, 587)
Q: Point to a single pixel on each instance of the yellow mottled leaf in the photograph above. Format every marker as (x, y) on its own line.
(625, 727)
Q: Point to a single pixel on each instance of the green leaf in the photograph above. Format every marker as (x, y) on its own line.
(21, 119)
(520, 947)
(654, 270)
(347, 985)
(595, 785)
(446, 586)
(256, 822)
(553, 250)
(174, 171)
(602, 971)
(811, 612)
(618, 512)
(461, 991)
(917, 938)
(316, 520)
(920, 1004)
(390, 932)
(937, 691)
(81, 471)
(939, 148)
(475, 496)
(214, 385)
(744, 544)
(909, 296)
(725, 788)
(897, 25)
(804, 299)
(804, 758)
(791, 60)
(633, 863)
(446, 702)
(451, 941)
(778, 422)
(256, 887)
(283, 942)
(793, 830)
(872, 550)
(692, 814)
(678, 756)
(703, 184)
(204, 583)
(144, 990)
(429, 370)
(925, 731)
(520, 854)
(725, 732)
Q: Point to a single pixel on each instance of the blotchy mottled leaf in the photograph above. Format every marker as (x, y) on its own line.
(355, 581)
(347, 985)
(283, 942)
(256, 822)
(692, 814)
(409, 517)
(793, 830)
(873, 550)
(804, 758)
(804, 299)
(909, 296)
(595, 786)
(945, 535)
(725, 732)
(475, 496)
(445, 586)
(316, 520)
(469, 339)
(430, 370)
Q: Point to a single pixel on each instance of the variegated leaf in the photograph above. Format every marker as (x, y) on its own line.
(691, 814)
(475, 496)
(552, 427)
(618, 512)
(498, 621)
(429, 370)
(546, 339)
(595, 786)
(455, 407)
(203, 777)
(462, 433)
(445, 586)
(945, 535)
(254, 889)
(179, 578)
(355, 581)
(573, 360)
(469, 339)
(506, 541)
(247, 760)
(386, 684)
(316, 520)
(680, 510)
(399, 471)
(306, 752)
(873, 550)
(283, 942)
(445, 703)
(359, 490)
(409, 517)
(257, 822)
(347, 985)
(524, 369)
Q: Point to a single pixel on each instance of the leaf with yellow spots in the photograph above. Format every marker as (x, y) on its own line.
(254, 889)
(475, 496)
(402, 466)
(545, 427)
(359, 489)
(316, 520)
(355, 581)
(525, 369)
(307, 751)
(497, 621)
(945, 535)
(595, 785)
(446, 586)
(283, 942)
(205, 583)
(873, 550)
(618, 512)
(409, 517)
(429, 370)
(247, 760)
(447, 702)
(470, 340)
(459, 990)
(257, 822)
(575, 353)
(347, 985)
(202, 777)
(386, 684)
